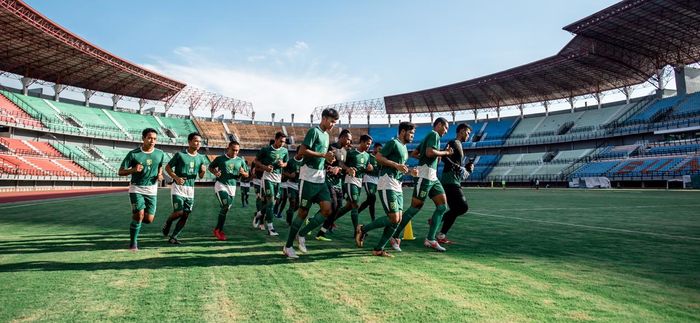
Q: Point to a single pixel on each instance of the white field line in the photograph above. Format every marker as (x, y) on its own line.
(588, 227)
(596, 207)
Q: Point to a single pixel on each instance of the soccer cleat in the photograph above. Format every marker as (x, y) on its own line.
(434, 245)
(221, 236)
(262, 227)
(302, 244)
(289, 252)
(278, 215)
(256, 219)
(442, 239)
(360, 236)
(174, 241)
(382, 253)
(216, 233)
(323, 238)
(271, 230)
(166, 228)
(133, 248)
(395, 244)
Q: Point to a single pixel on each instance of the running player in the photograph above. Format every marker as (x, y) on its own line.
(392, 157)
(355, 166)
(334, 180)
(427, 185)
(145, 165)
(291, 172)
(369, 182)
(272, 159)
(312, 186)
(227, 168)
(184, 168)
(454, 172)
(245, 191)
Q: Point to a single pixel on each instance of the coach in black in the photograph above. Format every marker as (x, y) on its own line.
(452, 176)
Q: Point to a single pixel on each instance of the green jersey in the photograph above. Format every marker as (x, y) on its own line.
(271, 156)
(390, 178)
(293, 166)
(432, 140)
(375, 166)
(313, 168)
(358, 160)
(229, 168)
(146, 181)
(187, 166)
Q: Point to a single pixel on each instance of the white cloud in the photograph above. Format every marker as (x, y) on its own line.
(283, 81)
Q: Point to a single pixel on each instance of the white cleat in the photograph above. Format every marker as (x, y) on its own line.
(302, 244)
(289, 252)
(256, 219)
(271, 230)
(434, 245)
(395, 244)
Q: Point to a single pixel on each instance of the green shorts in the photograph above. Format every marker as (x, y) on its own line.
(224, 198)
(370, 188)
(270, 189)
(392, 201)
(426, 188)
(143, 202)
(181, 203)
(313, 193)
(353, 192)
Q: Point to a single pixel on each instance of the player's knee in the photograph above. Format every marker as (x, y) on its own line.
(441, 208)
(326, 212)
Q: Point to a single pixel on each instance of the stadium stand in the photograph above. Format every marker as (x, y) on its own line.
(253, 136)
(494, 133)
(10, 112)
(654, 111)
(688, 107)
(213, 131)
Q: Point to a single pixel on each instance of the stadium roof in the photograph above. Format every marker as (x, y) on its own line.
(31, 45)
(622, 45)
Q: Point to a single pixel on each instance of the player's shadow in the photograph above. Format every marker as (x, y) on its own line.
(176, 262)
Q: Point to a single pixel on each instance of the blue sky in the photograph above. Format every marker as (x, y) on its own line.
(294, 55)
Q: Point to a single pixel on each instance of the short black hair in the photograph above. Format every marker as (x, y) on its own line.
(233, 143)
(377, 144)
(331, 113)
(272, 141)
(343, 133)
(462, 126)
(365, 138)
(146, 131)
(439, 120)
(192, 135)
(279, 135)
(408, 126)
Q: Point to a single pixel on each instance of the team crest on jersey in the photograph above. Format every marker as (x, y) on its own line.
(392, 205)
(303, 201)
(423, 193)
(149, 162)
(191, 164)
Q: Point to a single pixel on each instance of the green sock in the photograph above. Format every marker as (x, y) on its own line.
(380, 222)
(355, 217)
(222, 217)
(269, 207)
(134, 230)
(407, 216)
(314, 222)
(180, 225)
(297, 222)
(388, 231)
(343, 211)
(436, 221)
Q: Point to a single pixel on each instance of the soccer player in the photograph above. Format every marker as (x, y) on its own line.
(256, 182)
(392, 158)
(452, 175)
(369, 181)
(145, 165)
(245, 190)
(291, 172)
(312, 186)
(227, 168)
(356, 164)
(271, 160)
(334, 180)
(184, 168)
(427, 185)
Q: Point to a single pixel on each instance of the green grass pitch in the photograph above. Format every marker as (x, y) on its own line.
(521, 255)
